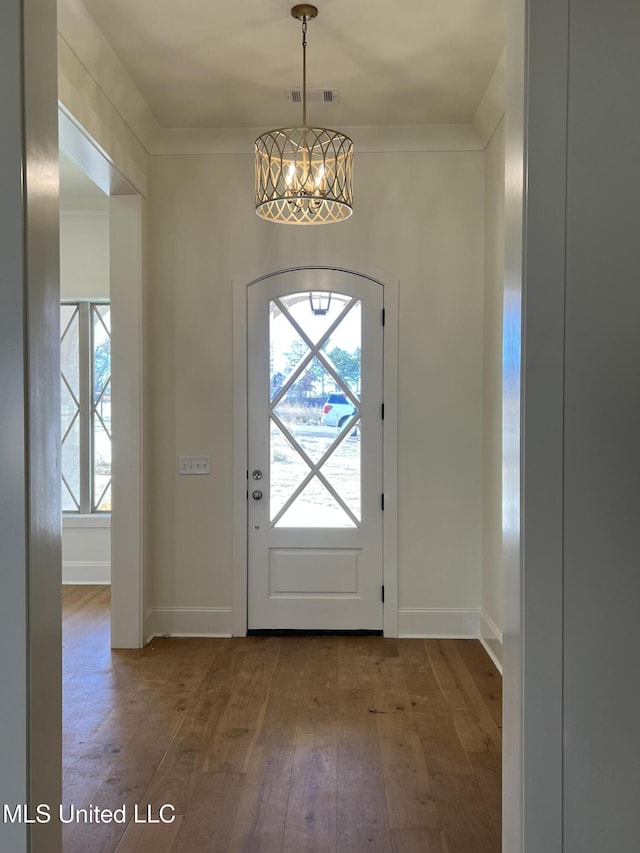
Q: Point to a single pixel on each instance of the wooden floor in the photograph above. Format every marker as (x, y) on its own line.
(279, 744)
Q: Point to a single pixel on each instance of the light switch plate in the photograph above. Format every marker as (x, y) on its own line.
(194, 464)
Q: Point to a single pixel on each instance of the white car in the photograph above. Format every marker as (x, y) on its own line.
(337, 410)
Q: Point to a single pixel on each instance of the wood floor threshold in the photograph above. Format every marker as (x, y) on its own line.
(317, 632)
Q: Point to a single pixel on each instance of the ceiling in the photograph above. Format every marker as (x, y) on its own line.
(225, 63)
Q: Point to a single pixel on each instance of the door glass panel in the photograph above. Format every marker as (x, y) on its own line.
(282, 362)
(288, 470)
(303, 414)
(315, 507)
(343, 348)
(314, 316)
(320, 335)
(342, 470)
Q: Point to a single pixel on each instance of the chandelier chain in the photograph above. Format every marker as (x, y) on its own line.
(304, 72)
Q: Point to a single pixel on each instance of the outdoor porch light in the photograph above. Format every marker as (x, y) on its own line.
(319, 302)
(304, 174)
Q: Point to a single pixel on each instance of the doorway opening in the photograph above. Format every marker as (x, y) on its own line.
(115, 273)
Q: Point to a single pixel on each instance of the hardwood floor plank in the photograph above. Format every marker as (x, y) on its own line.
(317, 724)
(311, 814)
(260, 819)
(419, 841)
(410, 803)
(236, 732)
(487, 767)
(354, 661)
(476, 728)
(362, 821)
(467, 823)
(149, 838)
(138, 750)
(485, 676)
(442, 747)
(311, 821)
(208, 820)
(186, 757)
(285, 694)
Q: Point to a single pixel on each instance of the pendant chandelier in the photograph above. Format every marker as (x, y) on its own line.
(304, 174)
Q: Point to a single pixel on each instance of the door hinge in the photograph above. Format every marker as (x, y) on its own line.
(382, 591)
(382, 501)
(382, 410)
(247, 494)
(384, 316)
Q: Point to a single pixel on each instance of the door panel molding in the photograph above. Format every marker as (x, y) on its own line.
(240, 431)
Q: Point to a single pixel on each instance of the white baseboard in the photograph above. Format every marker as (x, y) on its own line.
(491, 639)
(453, 624)
(188, 622)
(86, 573)
(440, 624)
(412, 622)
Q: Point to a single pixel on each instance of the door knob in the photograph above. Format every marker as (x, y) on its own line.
(256, 495)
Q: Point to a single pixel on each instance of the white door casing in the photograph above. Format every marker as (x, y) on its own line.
(315, 546)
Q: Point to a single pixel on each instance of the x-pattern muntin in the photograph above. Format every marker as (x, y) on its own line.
(95, 403)
(315, 351)
(76, 402)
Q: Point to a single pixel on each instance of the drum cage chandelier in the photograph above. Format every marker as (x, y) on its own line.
(304, 175)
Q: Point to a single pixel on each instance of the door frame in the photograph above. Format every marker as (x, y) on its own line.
(125, 285)
(389, 445)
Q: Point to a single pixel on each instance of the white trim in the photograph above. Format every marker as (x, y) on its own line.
(125, 272)
(391, 292)
(390, 445)
(434, 623)
(83, 150)
(188, 622)
(240, 437)
(86, 572)
(491, 639)
(87, 522)
(181, 141)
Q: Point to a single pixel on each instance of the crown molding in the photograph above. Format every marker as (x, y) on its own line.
(491, 107)
(366, 140)
(82, 36)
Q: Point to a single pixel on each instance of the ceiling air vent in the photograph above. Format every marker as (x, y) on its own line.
(314, 96)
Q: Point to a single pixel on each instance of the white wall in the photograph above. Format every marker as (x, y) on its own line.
(492, 571)
(84, 249)
(419, 218)
(84, 274)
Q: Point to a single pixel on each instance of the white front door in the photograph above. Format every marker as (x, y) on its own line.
(315, 452)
